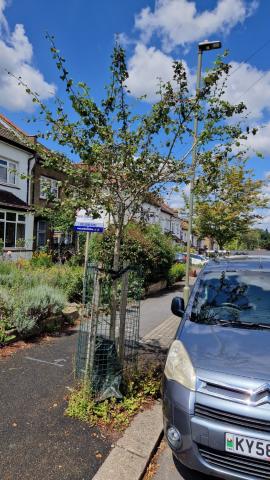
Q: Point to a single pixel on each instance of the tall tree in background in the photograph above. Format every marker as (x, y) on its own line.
(226, 210)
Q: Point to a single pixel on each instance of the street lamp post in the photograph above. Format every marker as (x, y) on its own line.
(202, 47)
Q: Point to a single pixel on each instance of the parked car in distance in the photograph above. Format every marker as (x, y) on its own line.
(216, 387)
(180, 257)
(196, 259)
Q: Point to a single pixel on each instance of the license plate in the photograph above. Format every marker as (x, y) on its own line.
(248, 446)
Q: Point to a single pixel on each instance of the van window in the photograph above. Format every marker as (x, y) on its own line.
(243, 295)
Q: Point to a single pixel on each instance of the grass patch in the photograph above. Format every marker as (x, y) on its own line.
(139, 391)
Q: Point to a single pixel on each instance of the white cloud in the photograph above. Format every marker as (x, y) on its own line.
(16, 56)
(250, 85)
(261, 141)
(176, 199)
(177, 22)
(145, 68)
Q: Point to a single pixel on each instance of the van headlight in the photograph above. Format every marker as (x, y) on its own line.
(179, 367)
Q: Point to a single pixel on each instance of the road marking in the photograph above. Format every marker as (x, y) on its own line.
(55, 363)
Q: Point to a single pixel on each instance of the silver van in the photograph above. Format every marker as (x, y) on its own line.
(216, 391)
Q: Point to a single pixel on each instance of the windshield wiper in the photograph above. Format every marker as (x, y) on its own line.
(240, 324)
(229, 323)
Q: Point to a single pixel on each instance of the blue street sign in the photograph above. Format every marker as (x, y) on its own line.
(88, 228)
(86, 223)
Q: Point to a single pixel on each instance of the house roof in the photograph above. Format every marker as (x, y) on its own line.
(10, 132)
(8, 199)
(165, 208)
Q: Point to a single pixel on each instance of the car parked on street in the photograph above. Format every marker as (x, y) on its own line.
(195, 259)
(180, 257)
(216, 389)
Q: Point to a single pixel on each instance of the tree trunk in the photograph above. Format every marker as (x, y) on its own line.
(122, 316)
(92, 330)
(116, 261)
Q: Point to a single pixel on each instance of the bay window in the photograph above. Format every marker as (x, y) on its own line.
(12, 229)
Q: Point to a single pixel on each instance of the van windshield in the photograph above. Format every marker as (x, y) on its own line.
(240, 296)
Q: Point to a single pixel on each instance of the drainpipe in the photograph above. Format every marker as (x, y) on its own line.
(34, 157)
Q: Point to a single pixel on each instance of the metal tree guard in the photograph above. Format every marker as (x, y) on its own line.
(103, 356)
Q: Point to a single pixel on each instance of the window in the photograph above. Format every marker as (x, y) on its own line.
(49, 188)
(12, 229)
(7, 172)
(41, 233)
(228, 296)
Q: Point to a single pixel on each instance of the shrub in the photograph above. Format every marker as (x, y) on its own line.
(144, 247)
(66, 278)
(35, 305)
(176, 273)
(5, 315)
(41, 259)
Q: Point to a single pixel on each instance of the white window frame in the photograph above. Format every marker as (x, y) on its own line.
(16, 222)
(53, 187)
(11, 165)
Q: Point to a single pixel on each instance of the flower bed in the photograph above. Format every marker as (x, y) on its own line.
(32, 295)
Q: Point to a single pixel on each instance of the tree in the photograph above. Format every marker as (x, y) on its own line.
(228, 212)
(124, 155)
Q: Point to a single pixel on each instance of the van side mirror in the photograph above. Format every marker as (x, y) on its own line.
(178, 306)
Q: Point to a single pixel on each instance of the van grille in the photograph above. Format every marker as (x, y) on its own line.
(257, 469)
(231, 418)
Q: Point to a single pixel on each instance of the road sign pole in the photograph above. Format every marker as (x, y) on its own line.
(86, 256)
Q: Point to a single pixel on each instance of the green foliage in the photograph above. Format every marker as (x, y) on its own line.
(264, 239)
(41, 259)
(35, 305)
(5, 315)
(229, 211)
(139, 390)
(24, 276)
(252, 239)
(176, 273)
(125, 155)
(30, 294)
(143, 246)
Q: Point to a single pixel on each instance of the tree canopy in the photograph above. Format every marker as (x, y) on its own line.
(124, 154)
(229, 210)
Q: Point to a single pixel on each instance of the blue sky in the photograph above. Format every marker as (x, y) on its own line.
(154, 32)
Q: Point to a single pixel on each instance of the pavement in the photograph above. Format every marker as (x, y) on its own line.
(36, 440)
(156, 308)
